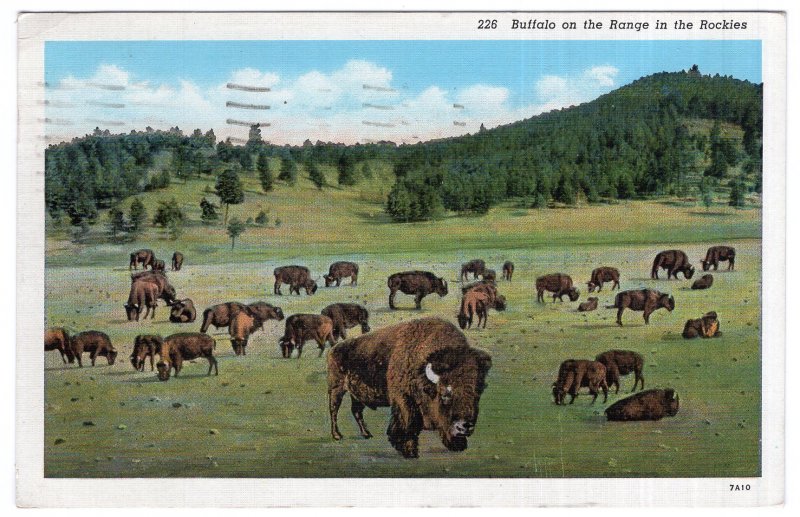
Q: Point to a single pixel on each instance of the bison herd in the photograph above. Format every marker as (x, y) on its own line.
(423, 369)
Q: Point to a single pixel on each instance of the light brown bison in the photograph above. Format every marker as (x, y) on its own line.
(177, 261)
(478, 301)
(645, 405)
(589, 305)
(57, 338)
(159, 265)
(296, 277)
(705, 327)
(418, 283)
(622, 362)
(145, 257)
(574, 374)
(182, 311)
(302, 327)
(145, 346)
(647, 300)
(717, 254)
(159, 278)
(423, 369)
(185, 347)
(220, 315)
(477, 267)
(345, 316)
(143, 295)
(94, 342)
(557, 283)
(508, 270)
(674, 261)
(601, 275)
(704, 282)
(242, 325)
(339, 270)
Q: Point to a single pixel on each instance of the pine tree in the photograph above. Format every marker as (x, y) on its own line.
(137, 216)
(230, 191)
(209, 212)
(398, 203)
(264, 172)
(347, 170)
(167, 212)
(288, 171)
(235, 228)
(706, 196)
(737, 194)
(116, 222)
(316, 176)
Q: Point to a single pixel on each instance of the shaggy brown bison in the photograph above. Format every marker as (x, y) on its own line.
(489, 275)
(622, 362)
(296, 277)
(220, 315)
(346, 316)
(182, 311)
(142, 295)
(144, 346)
(423, 369)
(647, 300)
(707, 326)
(717, 254)
(185, 347)
(418, 283)
(589, 305)
(704, 282)
(144, 257)
(339, 270)
(476, 267)
(165, 289)
(94, 342)
(557, 283)
(478, 301)
(57, 338)
(574, 374)
(645, 405)
(674, 261)
(177, 261)
(242, 325)
(159, 265)
(508, 270)
(601, 275)
(302, 327)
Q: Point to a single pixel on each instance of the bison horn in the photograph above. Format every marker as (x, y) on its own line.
(677, 400)
(430, 374)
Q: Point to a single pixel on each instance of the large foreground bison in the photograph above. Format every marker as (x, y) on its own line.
(574, 374)
(601, 275)
(717, 254)
(557, 283)
(184, 347)
(57, 338)
(418, 283)
(339, 270)
(145, 257)
(345, 316)
(647, 300)
(705, 327)
(423, 369)
(645, 405)
(622, 362)
(674, 261)
(296, 277)
(94, 342)
(477, 267)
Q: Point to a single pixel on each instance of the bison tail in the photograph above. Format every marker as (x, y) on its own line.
(611, 306)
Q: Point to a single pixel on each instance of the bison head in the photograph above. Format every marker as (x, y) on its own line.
(238, 346)
(573, 294)
(500, 303)
(278, 313)
(592, 286)
(168, 294)
(667, 301)
(131, 311)
(329, 280)
(112, 356)
(311, 287)
(688, 272)
(706, 265)
(558, 394)
(365, 327)
(462, 320)
(441, 287)
(671, 402)
(163, 370)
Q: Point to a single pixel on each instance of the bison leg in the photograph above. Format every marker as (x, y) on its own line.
(540, 295)
(357, 408)
(638, 377)
(404, 428)
(276, 289)
(620, 310)
(730, 264)
(212, 362)
(338, 282)
(418, 300)
(335, 395)
(63, 356)
(354, 280)
(392, 294)
(342, 332)
(616, 284)
(604, 385)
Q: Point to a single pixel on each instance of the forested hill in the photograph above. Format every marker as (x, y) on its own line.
(668, 133)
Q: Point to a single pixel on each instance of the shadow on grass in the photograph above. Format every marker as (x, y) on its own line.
(387, 310)
(598, 326)
(710, 214)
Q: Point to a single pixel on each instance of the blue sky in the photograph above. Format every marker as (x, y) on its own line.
(415, 89)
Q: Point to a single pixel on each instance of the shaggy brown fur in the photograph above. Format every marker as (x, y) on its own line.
(145, 257)
(220, 315)
(185, 347)
(704, 282)
(345, 316)
(601, 275)
(622, 362)
(242, 325)
(589, 305)
(182, 311)
(717, 254)
(159, 265)
(647, 300)
(57, 338)
(302, 327)
(339, 270)
(508, 270)
(674, 261)
(159, 278)
(177, 261)
(479, 301)
(296, 277)
(557, 283)
(94, 342)
(418, 283)
(142, 295)
(705, 327)
(645, 405)
(574, 374)
(476, 267)
(144, 346)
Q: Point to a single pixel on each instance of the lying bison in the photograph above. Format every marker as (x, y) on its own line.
(57, 338)
(557, 283)
(704, 282)
(478, 301)
(346, 316)
(145, 257)
(647, 300)
(418, 283)
(601, 275)
(339, 270)
(705, 327)
(589, 305)
(220, 315)
(508, 270)
(574, 374)
(302, 327)
(296, 277)
(185, 347)
(717, 254)
(674, 261)
(145, 346)
(182, 311)
(94, 342)
(476, 267)
(177, 261)
(645, 405)
(622, 362)
(423, 369)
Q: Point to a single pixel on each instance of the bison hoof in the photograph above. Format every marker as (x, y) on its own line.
(336, 436)
(366, 435)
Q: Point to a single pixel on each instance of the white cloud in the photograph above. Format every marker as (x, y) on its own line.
(550, 86)
(603, 75)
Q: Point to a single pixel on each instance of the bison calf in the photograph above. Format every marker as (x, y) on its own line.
(345, 316)
(705, 327)
(588, 305)
(183, 311)
(94, 342)
(339, 270)
(622, 362)
(645, 405)
(185, 347)
(574, 374)
(601, 275)
(57, 338)
(704, 282)
(302, 327)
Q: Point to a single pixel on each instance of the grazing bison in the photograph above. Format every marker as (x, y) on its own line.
(717, 254)
(508, 270)
(346, 316)
(185, 347)
(159, 265)
(489, 275)
(177, 261)
(57, 338)
(622, 362)
(704, 282)
(165, 290)
(589, 305)
(94, 342)
(182, 311)
(707, 326)
(647, 300)
(601, 275)
(574, 374)
(674, 261)
(144, 346)
(477, 267)
(302, 327)
(242, 325)
(220, 315)
(645, 405)
(296, 277)
(339, 270)
(418, 283)
(144, 257)
(142, 295)
(479, 301)
(423, 369)
(557, 283)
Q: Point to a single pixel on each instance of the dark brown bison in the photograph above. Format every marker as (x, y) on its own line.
(145, 346)
(674, 261)
(423, 369)
(339, 270)
(574, 374)
(302, 327)
(182, 311)
(489, 275)
(477, 267)
(704, 282)
(622, 362)
(185, 347)
(717, 254)
(220, 315)
(346, 316)
(508, 270)
(645, 405)
(177, 261)
(57, 338)
(159, 265)
(589, 305)
(601, 275)
(159, 278)
(242, 325)
(143, 295)
(478, 301)
(418, 283)
(144, 257)
(557, 283)
(296, 277)
(705, 327)
(94, 342)
(647, 300)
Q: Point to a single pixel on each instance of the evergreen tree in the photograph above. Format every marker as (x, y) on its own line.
(398, 203)
(211, 138)
(137, 216)
(366, 170)
(116, 222)
(347, 170)
(264, 173)
(175, 229)
(316, 176)
(209, 212)
(167, 212)
(737, 193)
(706, 195)
(718, 153)
(254, 140)
(288, 170)
(565, 192)
(230, 191)
(262, 219)
(235, 228)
